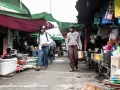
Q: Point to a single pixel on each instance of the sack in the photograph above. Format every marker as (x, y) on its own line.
(80, 54)
(90, 87)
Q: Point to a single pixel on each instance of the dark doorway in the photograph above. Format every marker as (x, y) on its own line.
(1, 45)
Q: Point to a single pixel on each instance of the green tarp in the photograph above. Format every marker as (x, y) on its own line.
(17, 9)
(14, 8)
(77, 28)
(56, 38)
(49, 17)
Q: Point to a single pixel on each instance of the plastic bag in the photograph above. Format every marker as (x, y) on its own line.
(114, 34)
(109, 15)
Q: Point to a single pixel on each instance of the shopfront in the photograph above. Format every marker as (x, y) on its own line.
(3, 39)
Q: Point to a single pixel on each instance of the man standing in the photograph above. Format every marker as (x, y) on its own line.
(43, 41)
(73, 41)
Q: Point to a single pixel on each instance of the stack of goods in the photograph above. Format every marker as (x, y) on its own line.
(28, 64)
(108, 47)
(116, 51)
(114, 82)
(114, 39)
(115, 35)
(32, 61)
(96, 56)
(115, 79)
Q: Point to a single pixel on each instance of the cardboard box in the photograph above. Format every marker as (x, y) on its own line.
(115, 65)
(90, 87)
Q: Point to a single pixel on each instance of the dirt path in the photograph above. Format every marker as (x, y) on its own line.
(56, 77)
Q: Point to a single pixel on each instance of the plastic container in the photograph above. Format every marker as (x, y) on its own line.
(108, 48)
(8, 66)
(98, 56)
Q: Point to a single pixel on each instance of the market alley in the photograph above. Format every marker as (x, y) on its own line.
(56, 77)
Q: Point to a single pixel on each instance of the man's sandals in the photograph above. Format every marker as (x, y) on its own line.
(71, 70)
(37, 69)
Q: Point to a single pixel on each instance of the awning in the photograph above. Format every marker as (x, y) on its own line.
(49, 17)
(14, 8)
(24, 24)
(56, 38)
(14, 14)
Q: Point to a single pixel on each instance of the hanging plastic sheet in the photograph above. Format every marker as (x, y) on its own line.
(117, 8)
(104, 20)
(109, 15)
(110, 11)
(81, 32)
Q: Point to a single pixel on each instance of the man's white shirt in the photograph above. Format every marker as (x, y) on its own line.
(43, 39)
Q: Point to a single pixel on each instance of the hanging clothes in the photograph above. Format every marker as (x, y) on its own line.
(81, 32)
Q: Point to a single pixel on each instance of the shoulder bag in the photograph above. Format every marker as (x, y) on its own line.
(80, 53)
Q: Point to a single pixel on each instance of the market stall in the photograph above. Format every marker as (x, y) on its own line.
(104, 32)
